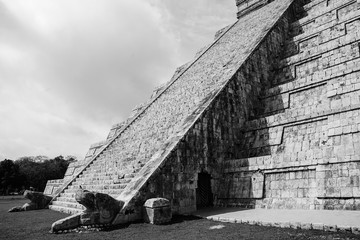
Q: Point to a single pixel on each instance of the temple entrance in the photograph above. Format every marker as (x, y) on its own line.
(204, 196)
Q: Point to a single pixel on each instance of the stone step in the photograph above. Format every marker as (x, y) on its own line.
(65, 209)
(113, 191)
(66, 199)
(98, 186)
(71, 191)
(81, 181)
(91, 171)
(98, 166)
(91, 182)
(124, 178)
(73, 188)
(114, 179)
(101, 171)
(101, 189)
(67, 195)
(68, 204)
(100, 177)
(103, 163)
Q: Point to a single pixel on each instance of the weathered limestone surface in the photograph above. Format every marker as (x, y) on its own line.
(38, 201)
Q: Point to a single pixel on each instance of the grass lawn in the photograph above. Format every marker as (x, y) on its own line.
(36, 225)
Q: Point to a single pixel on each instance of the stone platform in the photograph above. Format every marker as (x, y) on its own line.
(326, 220)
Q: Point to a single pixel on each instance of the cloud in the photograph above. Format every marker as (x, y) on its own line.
(71, 69)
(195, 22)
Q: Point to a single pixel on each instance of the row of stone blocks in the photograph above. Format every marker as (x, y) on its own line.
(349, 71)
(319, 15)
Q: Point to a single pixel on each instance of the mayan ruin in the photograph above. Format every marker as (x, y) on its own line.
(267, 116)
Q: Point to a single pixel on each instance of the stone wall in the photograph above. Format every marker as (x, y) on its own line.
(305, 141)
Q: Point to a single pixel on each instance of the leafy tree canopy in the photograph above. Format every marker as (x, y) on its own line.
(32, 172)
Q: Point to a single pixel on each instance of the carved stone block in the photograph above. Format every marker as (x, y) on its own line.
(157, 211)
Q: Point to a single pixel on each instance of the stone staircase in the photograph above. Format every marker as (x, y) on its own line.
(97, 177)
(293, 137)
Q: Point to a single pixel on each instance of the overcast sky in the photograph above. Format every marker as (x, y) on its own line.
(70, 69)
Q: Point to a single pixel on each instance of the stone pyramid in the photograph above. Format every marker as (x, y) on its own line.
(267, 116)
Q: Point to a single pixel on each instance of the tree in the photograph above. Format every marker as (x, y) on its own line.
(10, 177)
(31, 171)
(38, 173)
(28, 172)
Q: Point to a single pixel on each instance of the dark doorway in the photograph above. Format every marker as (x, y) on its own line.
(204, 196)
